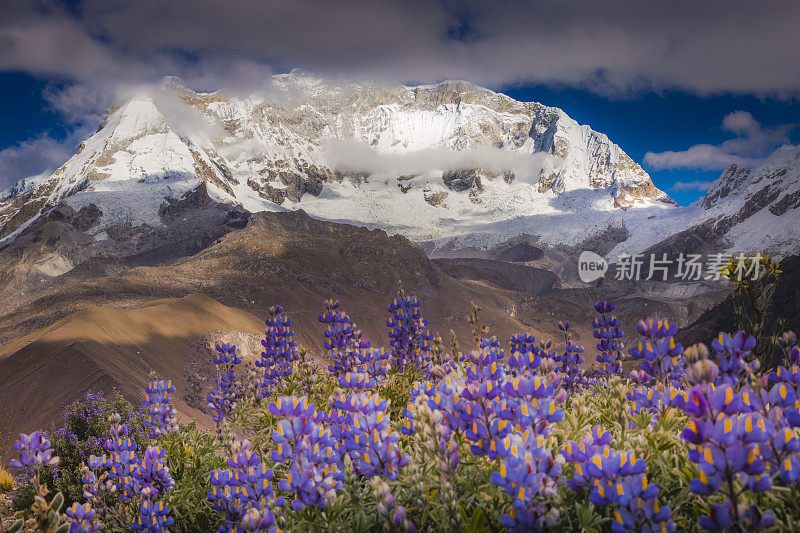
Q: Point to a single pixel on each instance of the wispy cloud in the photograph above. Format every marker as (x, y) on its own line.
(37, 155)
(696, 185)
(358, 157)
(751, 144)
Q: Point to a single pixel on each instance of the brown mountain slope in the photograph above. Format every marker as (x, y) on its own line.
(102, 348)
(297, 261)
(106, 332)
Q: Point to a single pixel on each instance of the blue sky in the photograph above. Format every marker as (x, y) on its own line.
(666, 121)
(658, 78)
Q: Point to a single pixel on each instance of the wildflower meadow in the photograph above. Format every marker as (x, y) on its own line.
(516, 434)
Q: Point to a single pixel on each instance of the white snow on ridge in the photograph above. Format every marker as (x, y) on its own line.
(385, 156)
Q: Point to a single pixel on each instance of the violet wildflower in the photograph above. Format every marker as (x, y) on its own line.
(121, 460)
(373, 362)
(34, 451)
(408, 336)
(280, 350)
(525, 354)
(529, 473)
(570, 361)
(620, 480)
(151, 481)
(662, 357)
(159, 413)
(394, 515)
(222, 400)
(442, 397)
(728, 435)
(151, 477)
(315, 472)
(595, 443)
(82, 518)
(34, 454)
(477, 405)
(243, 490)
(733, 357)
(530, 403)
(153, 517)
(608, 332)
(342, 338)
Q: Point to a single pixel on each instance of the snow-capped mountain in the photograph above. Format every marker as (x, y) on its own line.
(449, 165)
(745, 210)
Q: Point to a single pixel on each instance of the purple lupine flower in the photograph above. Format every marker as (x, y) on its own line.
(729, 436)
(525, 354)
(620, 480)
(151, 477)
(316, 471)
(222, 400)
(151, 480)
(608, 332)
(662, 358)
(159, 413)
(408, 336)
(530, 402)
(443, 398)
(529, 473)
(595, 443)
(374, 362)
(243, 490)
(393, 514)
(92, 486)
(258, 521)
(153, 517)
(82, 518)
(34, 451)
(478, 401)
(121, 459)
(342, 338)
(280, 350)
(732, 355)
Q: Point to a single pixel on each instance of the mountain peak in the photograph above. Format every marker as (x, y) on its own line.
(471, 164)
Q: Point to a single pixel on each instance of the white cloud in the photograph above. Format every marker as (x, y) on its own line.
(38, 155)
(697, 185)
(752, 144)
(358, 157)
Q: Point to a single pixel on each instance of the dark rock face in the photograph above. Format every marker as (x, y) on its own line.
(461, 180)
(84, 219)
(790, 201)
(731, 178)
(435, 198)
(87, 218)
(170, 210)
(520, 253)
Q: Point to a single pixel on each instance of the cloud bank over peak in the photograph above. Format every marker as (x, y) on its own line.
(358, 157)
(750, 146)
(618, 47)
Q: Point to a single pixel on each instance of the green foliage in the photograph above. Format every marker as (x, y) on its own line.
(755, 280)
(191, 455)
(83, 433)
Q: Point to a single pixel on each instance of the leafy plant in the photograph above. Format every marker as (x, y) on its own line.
(410, 439)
